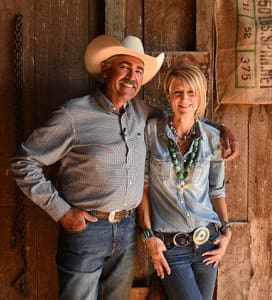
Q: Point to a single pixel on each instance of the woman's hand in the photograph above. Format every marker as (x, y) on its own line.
(156, 248)
(214, 256)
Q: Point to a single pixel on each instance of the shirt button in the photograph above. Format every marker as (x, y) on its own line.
(187, 215)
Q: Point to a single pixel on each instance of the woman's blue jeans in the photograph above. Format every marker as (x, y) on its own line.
(190, 278)
(97, 263)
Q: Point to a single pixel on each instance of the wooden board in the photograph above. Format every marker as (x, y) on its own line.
(47, 231)
(236, 170)
(260, 205)
(61, 36)
(7, 114)
(10, 261)
(205, 42)
(234, 269)
(55, 34)
(134, 18)
(54, 72)
(169, 27)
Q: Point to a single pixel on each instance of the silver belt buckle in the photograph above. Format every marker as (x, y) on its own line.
(183, 237)
(111, 217)
(201, 235)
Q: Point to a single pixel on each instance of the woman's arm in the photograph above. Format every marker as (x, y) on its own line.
(154, 245)
(222, 242)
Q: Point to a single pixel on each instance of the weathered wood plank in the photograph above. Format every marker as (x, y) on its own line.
(260, 205)
(10, 261)
(236, 170)
(47, 231)
(204, 25)
(7, 115)
(169, 27)
(59, 67)
(134, 18)
(234, 270)
(115, 17)
(96, 18)
(205, 42)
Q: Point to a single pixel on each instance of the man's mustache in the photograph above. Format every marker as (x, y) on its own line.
(133, 83)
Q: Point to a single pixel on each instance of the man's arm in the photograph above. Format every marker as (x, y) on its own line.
(228, 141)
(46, 145)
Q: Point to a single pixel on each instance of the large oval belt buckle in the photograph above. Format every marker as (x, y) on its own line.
(201, 235)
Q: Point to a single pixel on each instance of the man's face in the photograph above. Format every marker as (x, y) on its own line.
(123, 78)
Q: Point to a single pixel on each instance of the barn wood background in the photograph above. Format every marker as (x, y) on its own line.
(55, 34)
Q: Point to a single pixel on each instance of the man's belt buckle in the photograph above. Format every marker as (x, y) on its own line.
(180, 239)
(201, 235)
(111, 217)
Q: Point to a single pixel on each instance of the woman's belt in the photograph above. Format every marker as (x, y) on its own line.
(197, 237)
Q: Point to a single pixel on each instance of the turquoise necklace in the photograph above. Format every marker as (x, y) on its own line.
(181, 176)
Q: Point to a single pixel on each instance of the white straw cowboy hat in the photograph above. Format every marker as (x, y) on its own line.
(104, 46)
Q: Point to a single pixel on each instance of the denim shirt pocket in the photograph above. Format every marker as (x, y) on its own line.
(200, 170)
(160, 167)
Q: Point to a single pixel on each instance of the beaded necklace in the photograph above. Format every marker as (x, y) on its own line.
(181, 176)
(182, 136)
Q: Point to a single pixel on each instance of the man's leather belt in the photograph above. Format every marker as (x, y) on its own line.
(182, 239)
(112, 217)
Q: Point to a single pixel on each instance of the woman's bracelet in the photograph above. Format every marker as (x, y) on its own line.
(147, 234)
(224, 226)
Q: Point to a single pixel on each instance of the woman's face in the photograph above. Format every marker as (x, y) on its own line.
(182, 97)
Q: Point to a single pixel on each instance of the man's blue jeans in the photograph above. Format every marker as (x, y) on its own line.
(190, 278)
(97, 263)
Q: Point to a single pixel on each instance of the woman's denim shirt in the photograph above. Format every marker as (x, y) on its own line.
(173, 210)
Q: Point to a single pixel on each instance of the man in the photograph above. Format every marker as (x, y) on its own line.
(99, 142)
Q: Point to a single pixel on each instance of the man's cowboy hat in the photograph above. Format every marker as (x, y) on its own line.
(105, 46)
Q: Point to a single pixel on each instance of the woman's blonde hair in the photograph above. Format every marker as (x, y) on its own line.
(195, 79)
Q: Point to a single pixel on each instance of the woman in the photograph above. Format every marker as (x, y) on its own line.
(183, 213)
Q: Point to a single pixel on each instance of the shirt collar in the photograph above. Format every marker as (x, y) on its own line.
(105, 103)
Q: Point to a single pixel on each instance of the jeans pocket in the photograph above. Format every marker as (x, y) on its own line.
(73, 232)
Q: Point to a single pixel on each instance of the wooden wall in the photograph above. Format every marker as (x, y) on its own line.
(55, 36)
